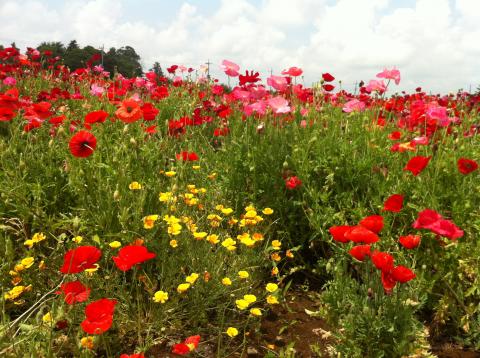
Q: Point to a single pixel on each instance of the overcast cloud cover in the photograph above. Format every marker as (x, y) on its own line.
(434, 43)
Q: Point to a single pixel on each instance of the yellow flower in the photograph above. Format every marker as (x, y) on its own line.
(227, 211)
(243, 274)
(219, 207)
(196, 167)
(229, 244)
(212, 176)
(267, 211)
(246, 240)
(160, 297)
(19, 268)
(213, 239)
(275, 257)
(271, 287)
(77, 239)
(242, 304)
(192, 278)
(165, 197)
(16, 292)
(27, 262)
(149, 221)
(87, 342)
(170, 173)
(250, 208)
(250, 298)
(115, 244)
(275, 271)
(199, 235)
(174, 229)
(232, 332)
(255, 312)
(135, 185)
(92, 270)
(41, 265)
(37, 237)
(272, 300)
(257, 236)
(183, 287)
(47, 318)
(226, 281)
(289, 254)
(251, 214)
(173, 243)
(276, 244)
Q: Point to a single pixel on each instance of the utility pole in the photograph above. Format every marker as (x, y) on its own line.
(101, 51)
(208, 63)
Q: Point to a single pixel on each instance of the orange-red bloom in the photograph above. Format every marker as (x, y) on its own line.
(129, 111)
(417, 164)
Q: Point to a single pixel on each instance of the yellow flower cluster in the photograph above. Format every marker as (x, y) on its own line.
(36, 238)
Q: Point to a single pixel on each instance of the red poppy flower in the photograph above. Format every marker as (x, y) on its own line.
(360, 234)
(187, 156)
(129, 256)
(328, 87)
(446, 228)
(402, 274)
(466, 166)
(129, 111)
(360, 252)
(80, 259)
(338, 233)
(388, 281)
(96, 117)
(188, 345)
(426, 219)
(327, 77)
(395, 135)
(292, 182)
(82, 144)
(417, 164)
(135, 355)
(382, 261)
(373, 223)
(410, 241)
(394, 203)
(99, 316)
(221, 132)
(74, 292)
(149, 111)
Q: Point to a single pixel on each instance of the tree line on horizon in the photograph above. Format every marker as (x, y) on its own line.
(122, 60)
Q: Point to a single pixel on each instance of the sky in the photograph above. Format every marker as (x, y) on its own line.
(434, 43)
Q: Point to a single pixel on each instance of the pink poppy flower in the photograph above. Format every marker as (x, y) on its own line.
(231, 69)
(392, 74)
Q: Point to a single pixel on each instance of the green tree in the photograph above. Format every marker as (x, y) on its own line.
(157, 69)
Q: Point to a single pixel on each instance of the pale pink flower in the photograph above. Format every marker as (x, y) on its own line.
(240, 94)
(392, 74)
(231, 69)
(423, 140)
(97, 90)
(98, 68)
(354, 105)
(277, 82)
(376, 85)
(303, 123)
(279, 105)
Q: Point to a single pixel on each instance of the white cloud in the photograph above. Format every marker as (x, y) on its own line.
(434, 43)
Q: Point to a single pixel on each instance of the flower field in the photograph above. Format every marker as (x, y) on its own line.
(171, 216)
